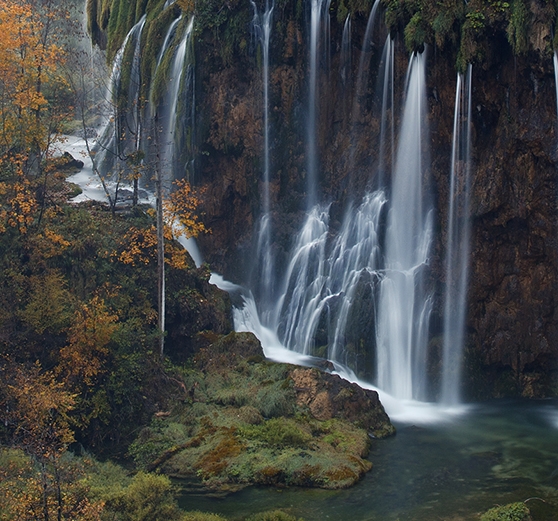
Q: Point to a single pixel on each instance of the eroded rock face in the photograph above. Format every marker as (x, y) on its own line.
(512, 315)
(512, 324)
(328, 396)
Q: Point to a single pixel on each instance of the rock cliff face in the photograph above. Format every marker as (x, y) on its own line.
(512, 336)
(512, 323)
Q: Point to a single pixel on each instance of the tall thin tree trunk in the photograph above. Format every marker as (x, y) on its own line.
(160, 245)
(45, 491)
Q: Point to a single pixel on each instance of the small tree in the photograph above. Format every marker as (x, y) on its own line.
(35, 407)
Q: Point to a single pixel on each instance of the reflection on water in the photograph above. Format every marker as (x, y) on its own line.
(497, 453)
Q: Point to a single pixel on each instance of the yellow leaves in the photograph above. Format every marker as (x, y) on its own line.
(181, 209)
(31, 491)
(138, 246)
(88, 337)
(48, 306)
(38, 407)
(19, 205)
(29, 66)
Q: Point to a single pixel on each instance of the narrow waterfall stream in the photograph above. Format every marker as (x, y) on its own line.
(180, 84)
(261, 24)
(316, 18)
(404, 302)
(458, 244)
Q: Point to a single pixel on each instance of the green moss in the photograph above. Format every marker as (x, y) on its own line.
(510, 512)
(272, 515)
(228, 25)
(278, 432)
(518, 27)
(415, 33)
(226, 445)
(201, 516)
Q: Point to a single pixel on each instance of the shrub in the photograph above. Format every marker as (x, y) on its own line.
(278, 432)
(149, 497)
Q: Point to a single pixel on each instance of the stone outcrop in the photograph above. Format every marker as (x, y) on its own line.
(243, 420)
(328, 396)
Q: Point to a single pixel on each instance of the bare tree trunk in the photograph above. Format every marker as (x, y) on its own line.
(45, 491)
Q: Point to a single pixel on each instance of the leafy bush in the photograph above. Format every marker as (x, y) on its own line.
(149, 497)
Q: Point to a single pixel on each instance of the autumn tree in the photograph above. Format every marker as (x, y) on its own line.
(36, 408)
(82, 361)
(30, 107)
(176, 215)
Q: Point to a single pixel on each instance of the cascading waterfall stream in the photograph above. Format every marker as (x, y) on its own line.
(387, 125)
(362, 79)
(345, 68)
(404, 303)
(169, 115)
(167, 40)
(299, 306)
(458, 246)
(316, 13)
(262, 28)
(107, 147)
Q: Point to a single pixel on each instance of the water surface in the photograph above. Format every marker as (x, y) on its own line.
(494, 454)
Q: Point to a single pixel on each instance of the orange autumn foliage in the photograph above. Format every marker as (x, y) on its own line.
(83, 358)
(180, 213)
(29, 60)
(38, 410)
(181, 209)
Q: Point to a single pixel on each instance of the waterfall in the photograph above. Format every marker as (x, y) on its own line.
(178, 86)
(316, 13)
(133, 113)
(364, 61)
(299, 306)
(107, 147)
(404, 303)
(323, 275)
(360, 86)
(458, 242)
(387, 126)
(262, 29)
(345, 67)
(167, 40)
(355, 260)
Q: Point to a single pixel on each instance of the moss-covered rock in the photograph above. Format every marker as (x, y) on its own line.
(243, 420)
(511, 512)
